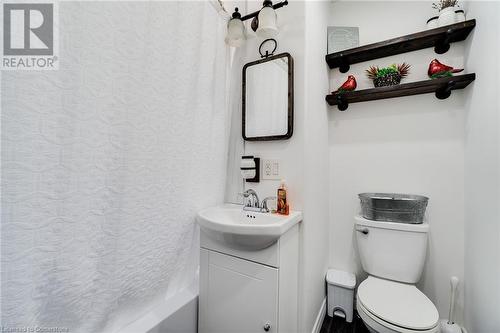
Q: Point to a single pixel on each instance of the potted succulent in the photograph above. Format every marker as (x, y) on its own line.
(446, 10)
(388, 76)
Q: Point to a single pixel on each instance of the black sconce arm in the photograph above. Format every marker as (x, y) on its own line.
(254, 14)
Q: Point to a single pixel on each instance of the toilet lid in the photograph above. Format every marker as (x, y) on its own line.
(398, 303)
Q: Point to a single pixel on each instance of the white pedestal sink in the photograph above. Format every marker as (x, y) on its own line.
(248, 271)
(235, 227)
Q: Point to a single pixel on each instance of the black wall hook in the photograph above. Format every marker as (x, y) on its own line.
(445, 92)
(267, 52)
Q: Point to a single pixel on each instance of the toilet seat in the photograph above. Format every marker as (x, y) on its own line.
(397, 306)
(375, 324)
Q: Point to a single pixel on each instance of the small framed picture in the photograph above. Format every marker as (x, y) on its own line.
(342, 38)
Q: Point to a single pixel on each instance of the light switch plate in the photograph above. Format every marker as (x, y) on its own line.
(271, 169)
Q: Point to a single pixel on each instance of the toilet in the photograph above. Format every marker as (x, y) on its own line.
(393, 254)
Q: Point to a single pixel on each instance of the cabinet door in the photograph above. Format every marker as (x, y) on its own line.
(237, 296)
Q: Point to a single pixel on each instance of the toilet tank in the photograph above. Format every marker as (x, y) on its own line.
(394, 251)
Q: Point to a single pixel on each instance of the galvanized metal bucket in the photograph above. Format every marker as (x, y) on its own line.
(393, 207)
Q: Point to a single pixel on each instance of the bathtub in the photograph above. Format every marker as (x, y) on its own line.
(177, 314)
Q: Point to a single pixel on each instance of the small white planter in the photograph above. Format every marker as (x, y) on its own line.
(432, 23)
(447, 16)
(459, 15)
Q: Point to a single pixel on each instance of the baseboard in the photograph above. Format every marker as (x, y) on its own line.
(319, 319)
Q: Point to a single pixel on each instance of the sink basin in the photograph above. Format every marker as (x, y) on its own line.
(243, 229)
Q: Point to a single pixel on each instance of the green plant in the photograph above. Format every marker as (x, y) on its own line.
(375, 72)
(442, 4)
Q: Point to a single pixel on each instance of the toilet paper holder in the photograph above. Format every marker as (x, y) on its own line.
(250, 168)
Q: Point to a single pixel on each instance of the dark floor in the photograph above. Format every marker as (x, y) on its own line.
(339, 325)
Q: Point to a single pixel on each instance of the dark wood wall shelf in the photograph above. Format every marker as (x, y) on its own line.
(441, 87)
(439, 38)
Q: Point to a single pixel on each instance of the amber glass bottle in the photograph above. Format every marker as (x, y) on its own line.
(282, 205)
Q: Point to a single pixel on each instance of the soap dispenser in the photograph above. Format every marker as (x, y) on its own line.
(282, 203)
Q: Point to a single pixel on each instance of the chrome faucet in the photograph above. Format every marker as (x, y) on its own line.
(253, 204)
(263, 206)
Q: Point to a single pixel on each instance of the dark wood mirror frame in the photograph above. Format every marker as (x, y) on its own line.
(290, 99)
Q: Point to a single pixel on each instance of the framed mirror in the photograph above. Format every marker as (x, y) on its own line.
(267, 104)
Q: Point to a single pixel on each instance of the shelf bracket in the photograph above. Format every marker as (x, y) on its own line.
(344, 65)
(445, 92)
(342, 103)
(443, 45)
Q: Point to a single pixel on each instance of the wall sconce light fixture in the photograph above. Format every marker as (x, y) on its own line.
(266, 27)
(263, 23)
(235, 30)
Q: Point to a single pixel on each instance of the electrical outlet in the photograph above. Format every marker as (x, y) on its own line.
(271, 170)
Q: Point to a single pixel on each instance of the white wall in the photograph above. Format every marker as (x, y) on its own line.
(315, 235)
(302, 157)
(291, 39)
(482, 168)
(410, 145)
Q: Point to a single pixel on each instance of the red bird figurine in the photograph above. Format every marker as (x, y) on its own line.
(348, 85)
(437, 69)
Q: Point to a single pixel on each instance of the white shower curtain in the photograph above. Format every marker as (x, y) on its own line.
(106, 161)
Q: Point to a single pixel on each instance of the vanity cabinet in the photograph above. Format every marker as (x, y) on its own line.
(239, 293)
(249, 291)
